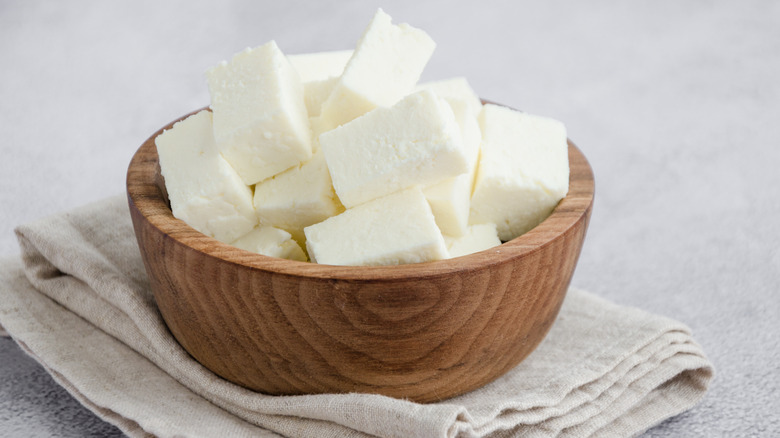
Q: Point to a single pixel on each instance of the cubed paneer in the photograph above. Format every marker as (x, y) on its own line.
(319, 73)
(203, 189)
(456, 88)
(450, 199)
(392, 230)
(315, 93)
(298, 197)
(320, 65)
(385, 66)
(271, 242)
(476, 238)
(415, 142)
(260, 120)
(523, 170)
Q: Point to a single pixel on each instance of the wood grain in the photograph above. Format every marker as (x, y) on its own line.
(424, 332)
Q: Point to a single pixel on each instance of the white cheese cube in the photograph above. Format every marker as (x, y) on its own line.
(319, 74)
(298, 197)
(204, 190)
(317, 128)
(260, 121)
(319, 66)
(271, 242)
(384, 67)
(415, 142)
(469, 128)
(523, 170)
(396, 229)
(450, 203)
(477, 238)
(450, 199)
(315, 93)
(457, 88)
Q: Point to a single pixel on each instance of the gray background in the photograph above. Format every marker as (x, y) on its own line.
(676, 105)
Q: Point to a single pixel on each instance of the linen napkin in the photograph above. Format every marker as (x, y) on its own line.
(79, 303)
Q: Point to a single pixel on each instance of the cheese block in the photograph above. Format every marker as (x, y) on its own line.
(315, 93)
(450, 199)
(318, 66)
(298, 197)
(385, 66)
(450, 203)
(317, 128)
(392, 230)
(476, 238)
(415, 142)
(271, 242)
(523, 170)
(319, 73)
(456, 88)
(260, 120)
(203, 189)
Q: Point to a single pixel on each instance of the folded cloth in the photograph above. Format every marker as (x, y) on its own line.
(80, 304)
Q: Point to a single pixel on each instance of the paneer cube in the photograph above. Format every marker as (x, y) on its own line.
(260, 121)
(476, 238)
(203, 189)
(319, 73)
(450, 199)
(385, 66)
(298, 197)
(415, 142)
(318, 66)
(456, 88)
(271, 242)
(523, 170)
(392, 230)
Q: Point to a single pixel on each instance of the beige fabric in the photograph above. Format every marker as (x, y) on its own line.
(79, 303)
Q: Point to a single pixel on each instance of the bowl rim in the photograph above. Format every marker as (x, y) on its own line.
(145, 197)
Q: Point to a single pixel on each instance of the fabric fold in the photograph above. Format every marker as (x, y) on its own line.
(80, 304)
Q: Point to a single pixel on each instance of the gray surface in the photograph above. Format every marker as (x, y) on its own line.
(676, 105)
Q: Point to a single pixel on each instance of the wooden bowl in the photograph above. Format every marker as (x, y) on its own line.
(423, 332)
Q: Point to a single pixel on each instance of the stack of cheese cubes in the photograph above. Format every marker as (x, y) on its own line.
(342, 158)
